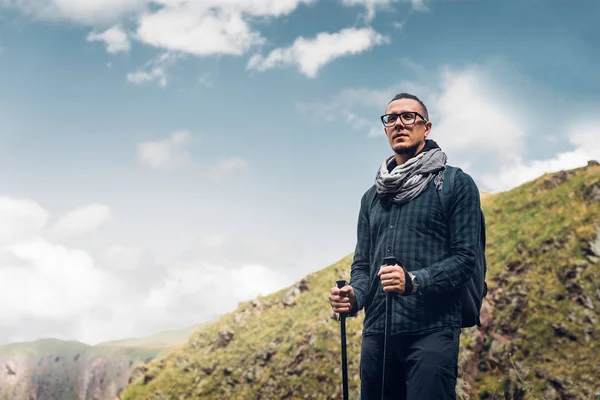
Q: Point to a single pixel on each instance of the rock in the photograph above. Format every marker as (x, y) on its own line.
(540, 373)
(210, 369)
(550, 393)
(592, 248)
(224, 338)
(564, 387)
(137, 373)
(558, 297)
(11, 369)
(556, 179)
(589, 318)
(574, 270)
(265, 355)
(148, 377)
(334, 316)
(585, 301)
(238, 317)
(574, 287)
(289, 299)
(253, 373)
(159, 395)
(298, 358)
(499, 350)
(592, 192)
(561, 331)
(181, 361)
(303, 285)
(593, 163)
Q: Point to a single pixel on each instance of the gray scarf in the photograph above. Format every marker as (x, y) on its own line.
(408, 180)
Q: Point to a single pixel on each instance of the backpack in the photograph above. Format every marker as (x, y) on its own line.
(475, 289)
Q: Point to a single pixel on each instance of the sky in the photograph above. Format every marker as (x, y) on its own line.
(162, 161)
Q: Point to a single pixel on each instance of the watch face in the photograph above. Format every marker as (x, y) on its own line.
(416, 281)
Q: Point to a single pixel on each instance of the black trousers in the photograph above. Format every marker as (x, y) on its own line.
(417, 367)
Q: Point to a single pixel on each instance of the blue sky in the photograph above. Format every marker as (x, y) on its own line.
(163, 160)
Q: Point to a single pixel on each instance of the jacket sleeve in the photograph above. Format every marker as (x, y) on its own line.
(465, 219)
(360, 268)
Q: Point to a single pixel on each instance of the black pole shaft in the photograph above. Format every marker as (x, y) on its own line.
(340, 284)
(388, 322)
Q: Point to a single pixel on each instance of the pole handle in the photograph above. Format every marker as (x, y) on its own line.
(340, 283)
(390, 260)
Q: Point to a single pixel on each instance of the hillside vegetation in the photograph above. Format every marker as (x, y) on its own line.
(539, 338)
(69, 370)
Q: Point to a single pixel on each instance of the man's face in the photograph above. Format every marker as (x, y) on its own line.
(406, 138)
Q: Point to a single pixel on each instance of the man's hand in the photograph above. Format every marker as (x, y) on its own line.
(342, 300)
(392, 278)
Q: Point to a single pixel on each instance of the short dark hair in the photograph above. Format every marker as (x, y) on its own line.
(412, 97)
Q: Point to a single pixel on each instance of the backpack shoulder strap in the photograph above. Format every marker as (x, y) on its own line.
(445, 191)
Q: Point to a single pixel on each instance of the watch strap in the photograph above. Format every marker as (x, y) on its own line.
(408, 284)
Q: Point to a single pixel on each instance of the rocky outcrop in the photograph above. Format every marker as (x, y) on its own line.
(56, 369)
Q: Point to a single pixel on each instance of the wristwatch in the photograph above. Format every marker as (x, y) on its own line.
(415, 283)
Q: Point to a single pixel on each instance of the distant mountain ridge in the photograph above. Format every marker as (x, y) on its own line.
(56, 369)
(538, 340)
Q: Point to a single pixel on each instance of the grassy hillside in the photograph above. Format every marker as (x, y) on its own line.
(539, 337)
(58, 369)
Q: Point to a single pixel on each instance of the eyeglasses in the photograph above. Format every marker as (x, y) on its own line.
(407, 118)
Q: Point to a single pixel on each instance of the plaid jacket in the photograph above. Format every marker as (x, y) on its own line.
(442, 257)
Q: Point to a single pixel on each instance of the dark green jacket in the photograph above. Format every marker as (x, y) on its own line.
(442, 257)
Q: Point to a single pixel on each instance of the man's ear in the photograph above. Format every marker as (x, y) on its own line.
(428, 128)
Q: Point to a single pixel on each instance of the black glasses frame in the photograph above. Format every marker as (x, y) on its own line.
(400, 116)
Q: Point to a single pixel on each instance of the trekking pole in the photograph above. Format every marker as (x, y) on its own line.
(340, 284)
(388, 321)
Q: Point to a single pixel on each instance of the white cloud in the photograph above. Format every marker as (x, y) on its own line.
(371, 6)
(197, 29)
(154, 70)
(58, 282)
(470, 116)
(482, 127)
(189, 287)
(479, 123)
(585, 138)
(81, 221)
(310, 55)
(115, 39)
(226, 167)
(166, 153)
(214, 240)
(418, 5)
(359, 108)
(48, 289)
(122, 257)
(20, 219)
(88, 12)
(206, 28)
(209, 27)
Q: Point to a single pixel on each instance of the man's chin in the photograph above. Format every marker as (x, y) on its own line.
(404, 150)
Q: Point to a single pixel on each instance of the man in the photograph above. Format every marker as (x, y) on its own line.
(401, 216)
